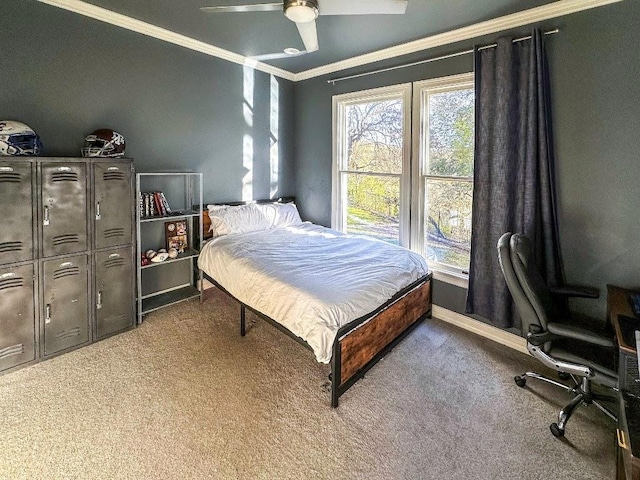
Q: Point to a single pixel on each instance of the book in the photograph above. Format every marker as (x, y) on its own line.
(153, 204)
(147, 210)
(141, 204)
(165, 203)
(176, 235)
(152, 207)
(158, 204)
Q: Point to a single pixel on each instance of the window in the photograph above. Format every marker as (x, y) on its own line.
(371, 175)
(412, 191)
(443, 171)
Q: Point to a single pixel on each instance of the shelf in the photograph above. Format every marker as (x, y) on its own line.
(168, 174)
(189, 253)
(160, 287)
(169, 298)
(174, 216)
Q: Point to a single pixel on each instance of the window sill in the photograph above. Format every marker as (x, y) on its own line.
(459, 280)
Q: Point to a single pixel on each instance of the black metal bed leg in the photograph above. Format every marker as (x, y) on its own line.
(243, 323)
(335, 373)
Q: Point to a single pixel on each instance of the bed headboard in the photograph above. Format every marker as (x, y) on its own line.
(206, 221)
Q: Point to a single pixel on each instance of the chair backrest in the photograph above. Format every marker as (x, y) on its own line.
(530, 293)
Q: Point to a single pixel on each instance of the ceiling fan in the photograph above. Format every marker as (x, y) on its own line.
(304, 12)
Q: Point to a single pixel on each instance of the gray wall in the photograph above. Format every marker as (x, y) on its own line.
(595, 66)
(66, 75)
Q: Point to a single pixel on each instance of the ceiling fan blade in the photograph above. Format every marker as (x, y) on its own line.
(363, 7)
(309, 35)
(276, 56)
(260, 7)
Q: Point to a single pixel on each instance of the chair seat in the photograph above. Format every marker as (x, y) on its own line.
(605, 374)
(590, 323)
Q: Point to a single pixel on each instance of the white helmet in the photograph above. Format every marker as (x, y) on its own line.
(16, 138)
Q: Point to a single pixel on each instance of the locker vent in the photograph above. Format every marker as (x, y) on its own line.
(64, 177)
(17, 349)
(106, 176)
(10, 247)
(72, 332)
(66, 272)
(114, 262)
(9, 177)
(114, 232)
(11, 282)
(64, 239)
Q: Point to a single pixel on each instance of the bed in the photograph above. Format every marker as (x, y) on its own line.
(349, 299)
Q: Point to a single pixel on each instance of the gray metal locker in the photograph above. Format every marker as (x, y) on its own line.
(17, 322)
(114, 291)
(113, 207)
(65, 303)
(66, 254)
(16, 214)
(64, 208)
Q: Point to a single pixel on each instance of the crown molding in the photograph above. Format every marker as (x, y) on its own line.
(123, 21)
(506, 22)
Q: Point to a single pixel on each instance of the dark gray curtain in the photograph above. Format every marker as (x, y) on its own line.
(513, 172)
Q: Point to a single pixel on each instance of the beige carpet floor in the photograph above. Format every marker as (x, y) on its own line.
(185, 397)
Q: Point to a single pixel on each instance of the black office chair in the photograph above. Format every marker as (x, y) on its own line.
(575, 353)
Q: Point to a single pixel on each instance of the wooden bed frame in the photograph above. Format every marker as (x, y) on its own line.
(360, 344)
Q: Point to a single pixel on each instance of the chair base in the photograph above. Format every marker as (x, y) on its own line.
(582, 395)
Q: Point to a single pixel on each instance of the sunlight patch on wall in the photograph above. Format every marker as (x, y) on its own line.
(248, 87)
(247, 163)
(274, 151)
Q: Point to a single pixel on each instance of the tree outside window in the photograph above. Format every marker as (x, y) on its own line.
(376, 174)
(447, 152)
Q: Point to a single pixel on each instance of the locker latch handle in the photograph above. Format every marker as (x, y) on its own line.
(47, 314)
(99, 304)
(97, 210)
(46, 216)
(622, 442)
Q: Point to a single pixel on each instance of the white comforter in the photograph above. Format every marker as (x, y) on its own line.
(309, 278)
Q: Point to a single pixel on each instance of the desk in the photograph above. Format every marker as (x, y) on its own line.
(621, 317)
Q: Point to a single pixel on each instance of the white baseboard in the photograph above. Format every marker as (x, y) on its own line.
(479, 328)
(467, 323)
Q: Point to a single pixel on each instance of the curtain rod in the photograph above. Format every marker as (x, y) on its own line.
(429, 60)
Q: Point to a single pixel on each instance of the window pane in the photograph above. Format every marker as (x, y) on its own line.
(373, 206)
(374, 136)
(448, 222)
(451, 120)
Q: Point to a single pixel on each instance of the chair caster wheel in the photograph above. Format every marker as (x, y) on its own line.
(563, 376)
(555, 430)
(520, 381)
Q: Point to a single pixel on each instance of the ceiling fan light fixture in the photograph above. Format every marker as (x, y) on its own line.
(301, 11)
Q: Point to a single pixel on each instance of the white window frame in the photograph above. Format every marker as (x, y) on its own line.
(419, 161)
(412, 191)
(339, 170)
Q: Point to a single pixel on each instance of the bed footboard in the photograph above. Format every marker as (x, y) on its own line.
(359, 345)
(362, 343)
